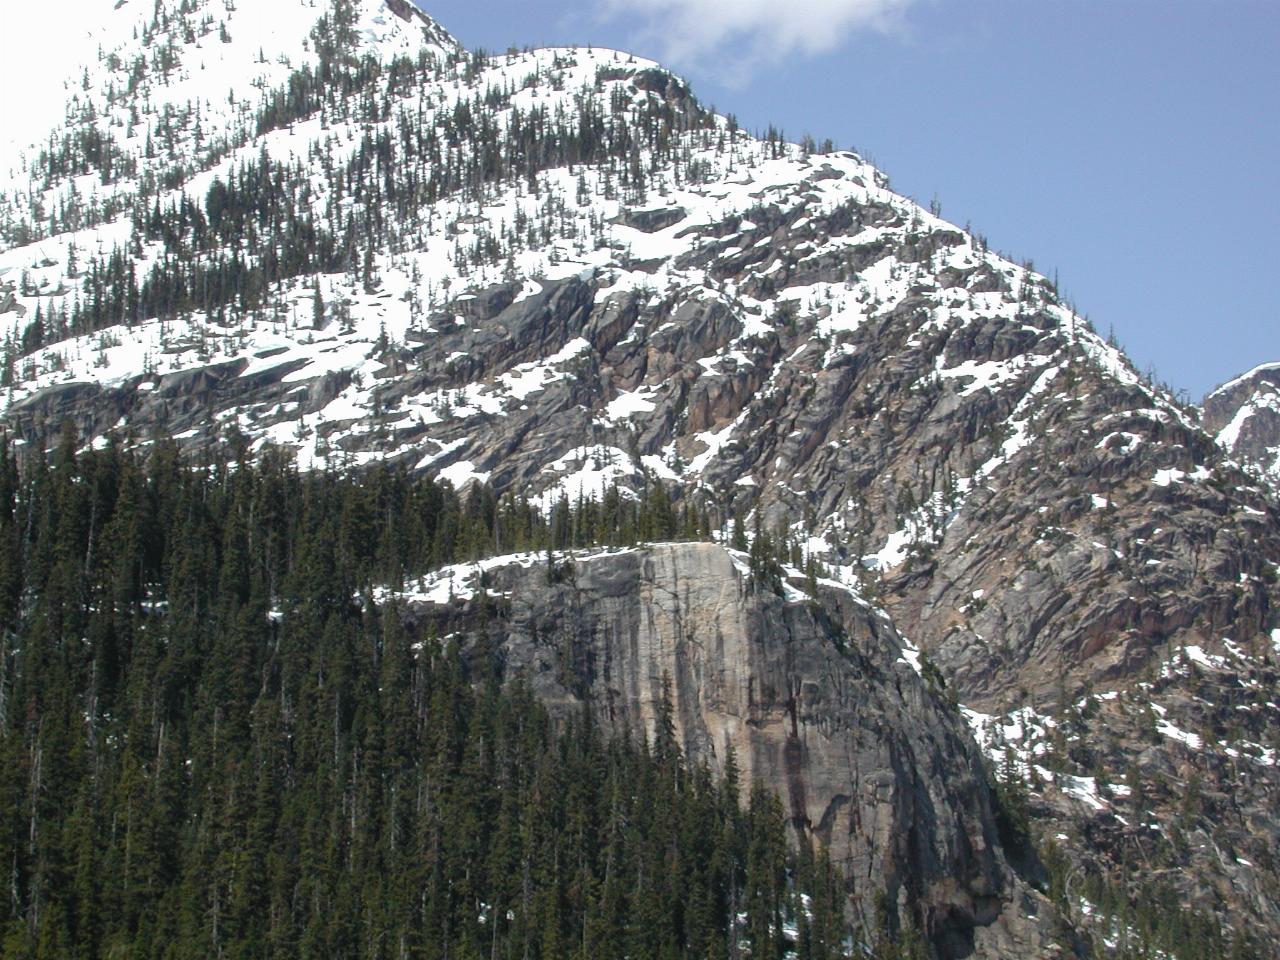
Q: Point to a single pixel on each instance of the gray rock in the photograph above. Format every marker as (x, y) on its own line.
(870, 762)
(1244, 415)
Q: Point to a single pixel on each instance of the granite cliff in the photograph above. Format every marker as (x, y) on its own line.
(818, 698)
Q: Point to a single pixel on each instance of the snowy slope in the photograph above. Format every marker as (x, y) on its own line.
(214, 58)
(1244, 416)
(735, 174)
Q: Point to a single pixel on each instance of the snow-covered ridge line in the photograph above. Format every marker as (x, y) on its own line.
(204, 53)
(1230, 384)
(1244, 416)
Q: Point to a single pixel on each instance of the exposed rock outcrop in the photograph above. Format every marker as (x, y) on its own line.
(1244, 416)
(870, 761)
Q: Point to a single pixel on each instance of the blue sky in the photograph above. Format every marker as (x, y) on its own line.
(1129, 146)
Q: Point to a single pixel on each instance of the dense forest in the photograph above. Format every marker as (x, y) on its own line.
(213, 743)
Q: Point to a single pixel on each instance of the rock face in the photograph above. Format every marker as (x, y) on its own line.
(871, 762)
(1244, 417)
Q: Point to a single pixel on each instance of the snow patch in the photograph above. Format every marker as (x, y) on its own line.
(462, 473)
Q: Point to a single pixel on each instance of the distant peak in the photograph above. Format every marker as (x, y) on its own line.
(1270, 367)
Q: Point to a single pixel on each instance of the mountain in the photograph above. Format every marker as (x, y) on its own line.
(554, 276)
(1244, 416)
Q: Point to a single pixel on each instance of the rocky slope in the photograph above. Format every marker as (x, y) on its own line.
(555, 272)
(1244, 416)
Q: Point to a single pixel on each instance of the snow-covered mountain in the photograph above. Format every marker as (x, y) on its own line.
(1244, 415)
(326, 229)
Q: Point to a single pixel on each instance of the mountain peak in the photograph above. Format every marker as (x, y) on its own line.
(133, 59)
(1244, 416)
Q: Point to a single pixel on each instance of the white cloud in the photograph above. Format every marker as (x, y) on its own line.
(749, 32)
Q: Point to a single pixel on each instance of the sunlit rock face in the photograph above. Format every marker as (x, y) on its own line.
(817, 699)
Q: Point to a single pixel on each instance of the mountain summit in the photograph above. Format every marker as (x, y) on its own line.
(325, 234)
(1244, 416)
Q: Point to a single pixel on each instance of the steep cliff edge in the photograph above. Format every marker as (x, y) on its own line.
(871, 762)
